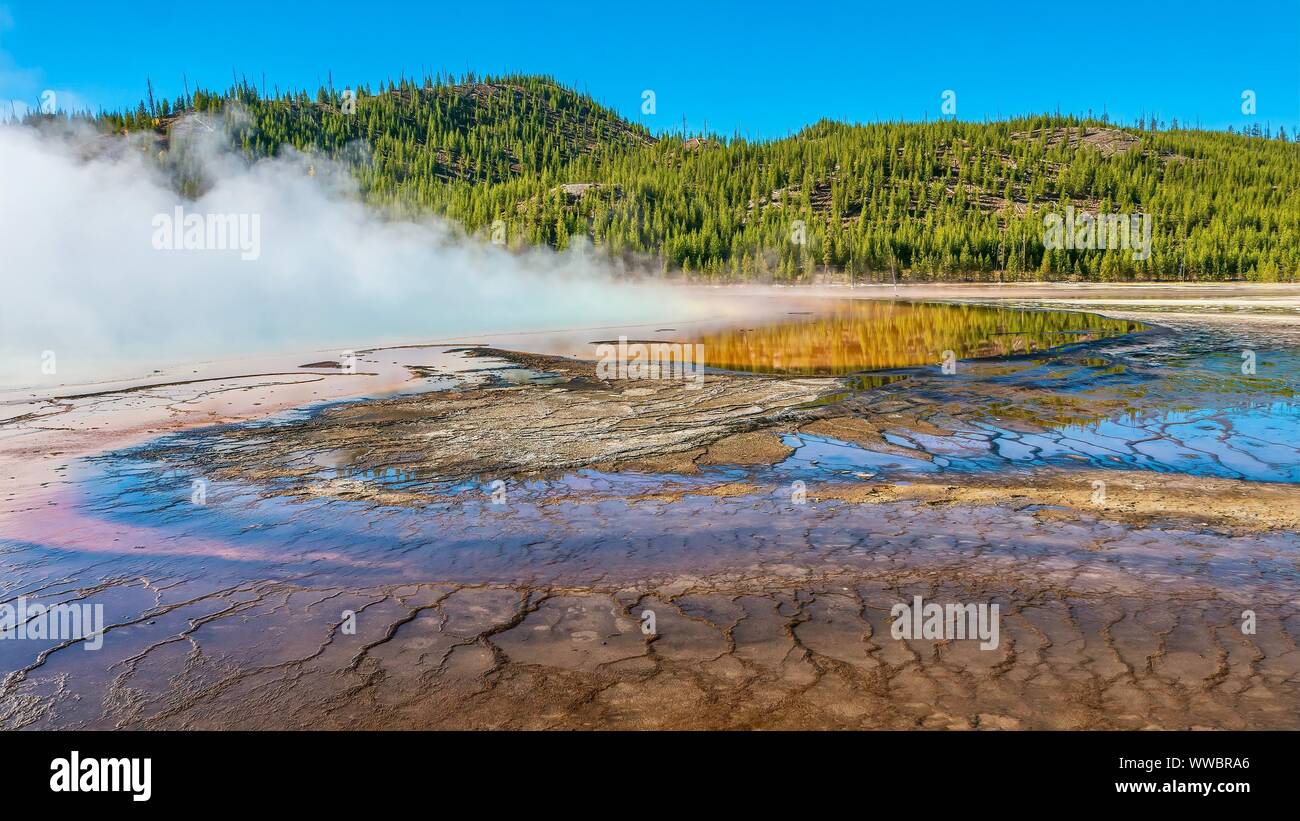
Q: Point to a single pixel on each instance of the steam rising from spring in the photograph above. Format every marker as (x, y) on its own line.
(82, 277)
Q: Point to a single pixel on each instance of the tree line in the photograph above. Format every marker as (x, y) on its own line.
(933, 200)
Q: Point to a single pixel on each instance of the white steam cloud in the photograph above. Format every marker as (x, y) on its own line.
(81, 276)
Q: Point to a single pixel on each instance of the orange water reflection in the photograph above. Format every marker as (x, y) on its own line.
(854, 335)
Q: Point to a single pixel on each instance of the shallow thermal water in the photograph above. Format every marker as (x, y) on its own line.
(1174, 403)
(849, 336)
(202, 590)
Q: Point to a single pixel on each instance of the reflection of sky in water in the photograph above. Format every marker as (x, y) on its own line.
(1259, 443)
(1190, 410)
(603, 531)
(822, 457)
(1198, 415)
(1193, 415)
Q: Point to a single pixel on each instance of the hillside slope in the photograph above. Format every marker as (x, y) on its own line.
(936, 200)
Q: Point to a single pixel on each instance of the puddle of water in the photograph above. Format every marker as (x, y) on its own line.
(820, 457)
(846, 336)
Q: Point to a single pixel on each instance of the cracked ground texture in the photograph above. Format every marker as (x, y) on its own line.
(351, 568)
(797, 635)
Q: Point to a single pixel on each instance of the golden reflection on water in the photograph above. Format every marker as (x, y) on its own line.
(857, 335)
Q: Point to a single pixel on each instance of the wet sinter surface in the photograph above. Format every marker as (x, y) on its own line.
(1123, 502)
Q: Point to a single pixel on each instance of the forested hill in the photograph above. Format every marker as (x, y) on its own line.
(934, 200)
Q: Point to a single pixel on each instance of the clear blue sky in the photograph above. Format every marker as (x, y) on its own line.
(761, 68)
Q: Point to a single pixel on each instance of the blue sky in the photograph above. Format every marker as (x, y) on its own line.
(763, 69)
